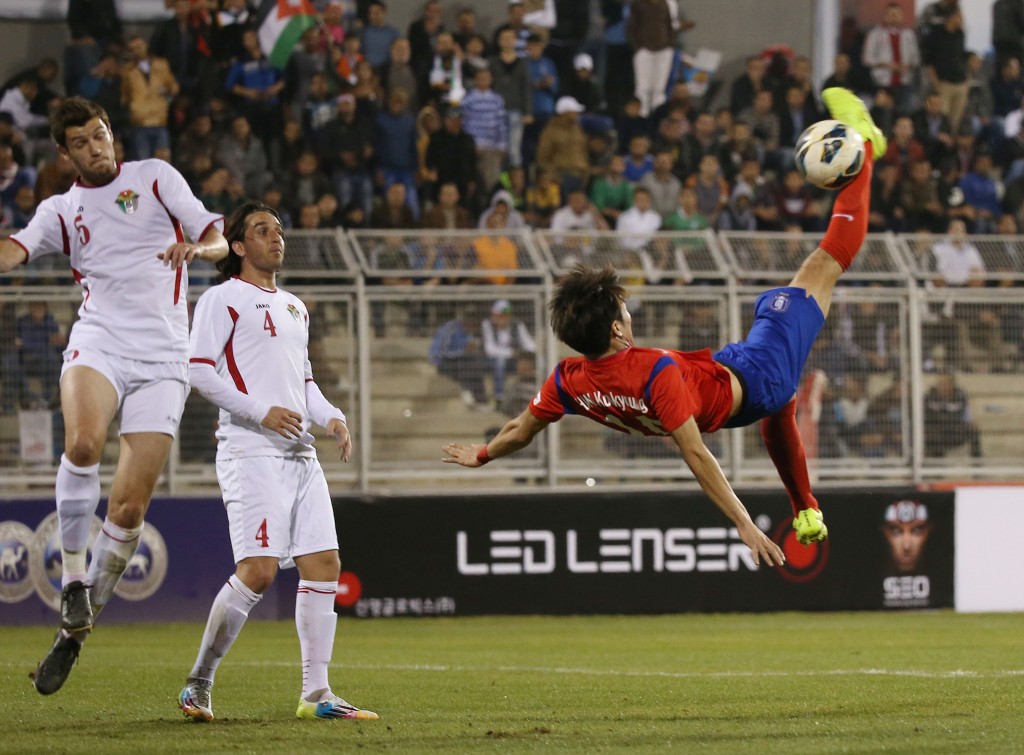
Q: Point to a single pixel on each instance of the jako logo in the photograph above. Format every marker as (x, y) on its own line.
(615, 551)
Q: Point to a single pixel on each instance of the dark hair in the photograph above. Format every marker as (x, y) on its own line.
(75, 111)
(586, 303)
(234, 230)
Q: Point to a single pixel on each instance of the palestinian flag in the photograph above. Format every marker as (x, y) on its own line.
(280, 24)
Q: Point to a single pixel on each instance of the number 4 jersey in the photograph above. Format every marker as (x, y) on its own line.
(132, 304)
(255, 338)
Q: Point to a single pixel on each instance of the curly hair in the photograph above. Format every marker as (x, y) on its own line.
(75, 111)
(586, 303)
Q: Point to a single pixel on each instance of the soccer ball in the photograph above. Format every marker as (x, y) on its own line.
(829, 154)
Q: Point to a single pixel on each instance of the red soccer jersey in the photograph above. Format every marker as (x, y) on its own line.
(639, 391)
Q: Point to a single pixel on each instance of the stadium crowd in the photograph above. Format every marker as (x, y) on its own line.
(508, 123)
(544, 121)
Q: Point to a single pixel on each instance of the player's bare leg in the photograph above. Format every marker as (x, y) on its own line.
(316, 623)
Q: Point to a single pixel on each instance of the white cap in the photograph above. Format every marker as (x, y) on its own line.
(568, 105)
(583, 61)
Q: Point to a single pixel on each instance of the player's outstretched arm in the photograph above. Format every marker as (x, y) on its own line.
(516, 434)
(11, 255)
(211, 248)
(705, 468)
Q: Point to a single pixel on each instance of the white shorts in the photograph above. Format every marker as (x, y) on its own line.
(151, 394)
(278, 507)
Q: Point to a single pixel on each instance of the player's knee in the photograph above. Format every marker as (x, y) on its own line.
(83, 450)
(258, 574)
(128, 512)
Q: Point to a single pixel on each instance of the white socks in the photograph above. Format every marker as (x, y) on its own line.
(316, 621)
(113, 549)
(78, 496)
(230, 609)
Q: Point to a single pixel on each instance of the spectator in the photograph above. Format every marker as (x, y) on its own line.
(563, 145)
(578, 215)
(306, 184)
(424, 33)
(184, 41)
(884, 433)
(580, 86)
(504, 204)
(747, 85)
(13, 176)
(543, 198)
(522, 385)
(738, 215)
(679, 101)
(444, 74)
(496, 251)
(947, 419)
(611, 193)
(712, 190)
(229, 23)
(317, 110)
(649, 31)
(919, 200)
(886, 213)
(738, 149)
(348, 59)
(511, 77)
(764, 122)
(307, 64)
(981, 194)
(702, 140)
(219, 192)
(473, 58)
(904, 150)
(503, 338)
(670, 136)
(398, 74)
(946, 59)
(38, 342)
(851, 415)
(486, 120)
(147, 86)
(618, 59)
(980, 109)
(378, 35)
(798, 113)
(256, 85)
(1007, 88)
(883, 110)
(1008, 30)
(890, 51)
(845, 75)
(393, 213)
(543, 79)
(516, 23)
(44, 73)
(662, 185)
(960, 264)
(451, 157)
(687, 215)
(447, 213)
(23, 207)
(638, 224)
(456, 353)
(94, 20)
(395, 147)
(242, 152)
(347, 155)
(934, 129)
(465, 28)
(639, 161)
(630, 124)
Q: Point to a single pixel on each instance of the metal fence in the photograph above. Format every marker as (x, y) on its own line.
(919, 366)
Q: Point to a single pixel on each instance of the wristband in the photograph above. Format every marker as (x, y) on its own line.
(482, 456)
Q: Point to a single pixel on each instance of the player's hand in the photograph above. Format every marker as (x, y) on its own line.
(761, 546)
(284, 422)
(460, 453)
(180, 254)
(339, 431)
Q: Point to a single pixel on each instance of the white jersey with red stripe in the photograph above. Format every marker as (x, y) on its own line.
(256, 338)
(132, 304)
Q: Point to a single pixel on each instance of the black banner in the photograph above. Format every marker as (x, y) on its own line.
(571, 553)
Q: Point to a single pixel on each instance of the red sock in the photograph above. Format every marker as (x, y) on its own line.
(786, 449)
(849, 224)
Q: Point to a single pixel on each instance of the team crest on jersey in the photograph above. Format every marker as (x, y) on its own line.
(779, 303)
(293, 310)
(128, 201)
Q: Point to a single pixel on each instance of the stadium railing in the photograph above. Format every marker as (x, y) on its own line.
(911, 380)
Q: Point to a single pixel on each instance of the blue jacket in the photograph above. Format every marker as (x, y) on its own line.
(394, 141)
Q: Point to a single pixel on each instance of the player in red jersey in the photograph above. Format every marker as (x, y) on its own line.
(684, 394)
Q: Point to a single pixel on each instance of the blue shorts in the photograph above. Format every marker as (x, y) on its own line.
(769, 362)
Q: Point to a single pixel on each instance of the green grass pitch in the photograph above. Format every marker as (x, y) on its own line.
(790, 683)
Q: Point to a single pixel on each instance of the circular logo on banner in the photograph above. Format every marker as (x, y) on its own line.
(146, 569)
(15, 570)
(803, 562)
(350, 589)
(45, 558)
